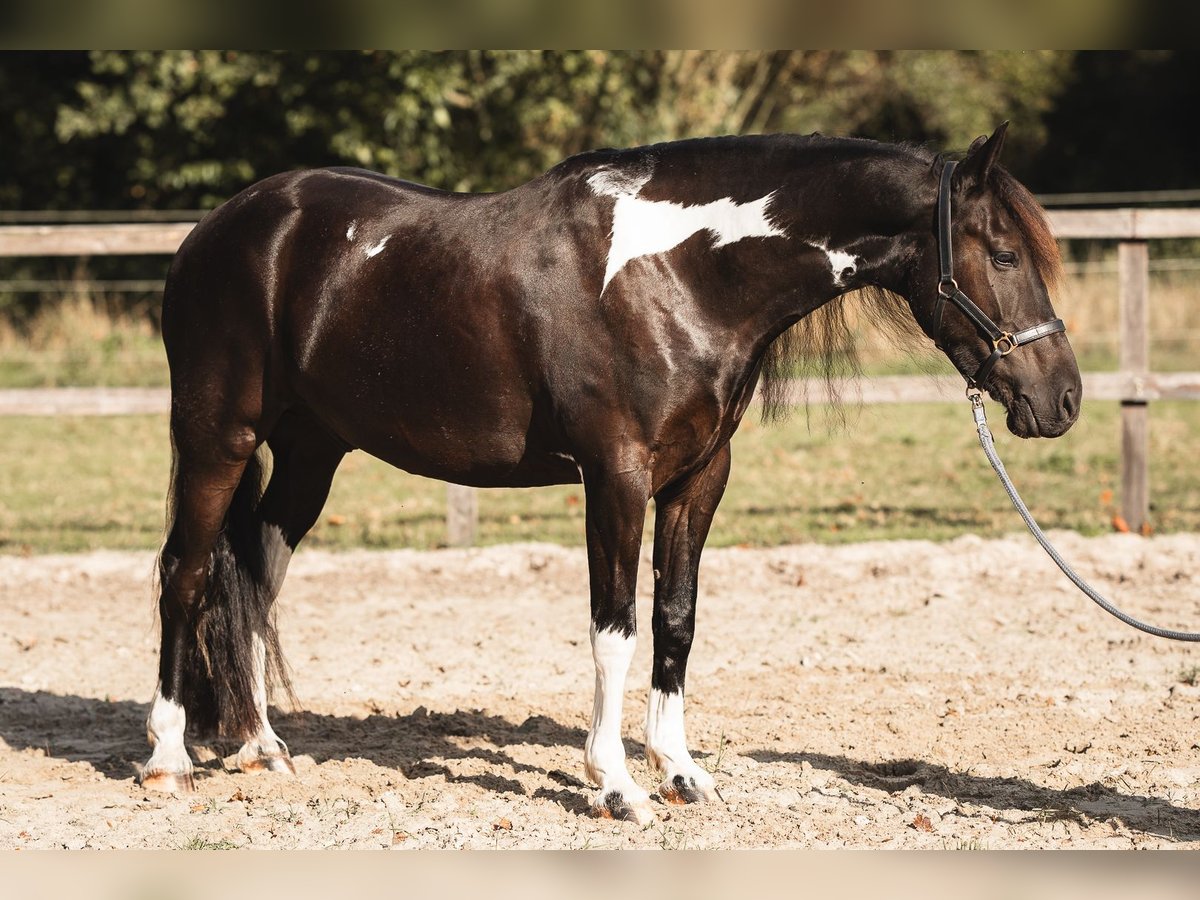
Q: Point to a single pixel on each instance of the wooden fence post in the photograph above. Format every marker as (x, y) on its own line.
(462, 515)
(1133, 274)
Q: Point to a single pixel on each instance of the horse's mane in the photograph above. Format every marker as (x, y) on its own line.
(1030, 218)
(822, 343)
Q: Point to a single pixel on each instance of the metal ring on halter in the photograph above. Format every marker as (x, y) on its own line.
(947, 287)
(1008, 340)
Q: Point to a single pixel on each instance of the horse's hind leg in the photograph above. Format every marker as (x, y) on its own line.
(209, 474)
(682, 519)
(305, 459)
(616, 511)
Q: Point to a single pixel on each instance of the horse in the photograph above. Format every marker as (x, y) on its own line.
(606, 323)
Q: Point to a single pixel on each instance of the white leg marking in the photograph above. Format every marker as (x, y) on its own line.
(666, 750)
(377, 248)
(604, 754)
(645, 227)
(165, 727)
(264, 751)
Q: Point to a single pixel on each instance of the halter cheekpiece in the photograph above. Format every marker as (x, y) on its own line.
(1003, 342)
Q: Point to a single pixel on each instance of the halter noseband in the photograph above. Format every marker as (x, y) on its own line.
(1003, 342)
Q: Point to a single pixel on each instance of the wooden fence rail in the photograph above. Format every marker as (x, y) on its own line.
(1134, 385)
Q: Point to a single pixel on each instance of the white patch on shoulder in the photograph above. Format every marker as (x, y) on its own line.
(377, 248)
(350, 231)
(645, 227)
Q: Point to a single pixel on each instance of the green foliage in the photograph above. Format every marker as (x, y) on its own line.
(187, 129)
(192, 128)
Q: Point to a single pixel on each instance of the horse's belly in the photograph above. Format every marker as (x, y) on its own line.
(486, 435)
(534, 469)
(491, 458)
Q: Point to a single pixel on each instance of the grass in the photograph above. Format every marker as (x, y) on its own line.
(199, 842)
(903, 471)
(712, 765)
(75, 342)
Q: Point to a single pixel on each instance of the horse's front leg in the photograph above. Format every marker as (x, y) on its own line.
(683, 515)
(616, 512)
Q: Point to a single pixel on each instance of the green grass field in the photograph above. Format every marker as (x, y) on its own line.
(70, 484)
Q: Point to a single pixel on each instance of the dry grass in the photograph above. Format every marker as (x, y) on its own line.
(74, 341)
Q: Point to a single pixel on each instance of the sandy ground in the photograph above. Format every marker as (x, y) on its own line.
(899, 694)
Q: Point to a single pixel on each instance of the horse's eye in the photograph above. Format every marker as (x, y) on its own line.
(1005, 259)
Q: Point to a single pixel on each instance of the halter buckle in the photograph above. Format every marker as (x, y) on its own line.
(947, 287)
(1005, 343)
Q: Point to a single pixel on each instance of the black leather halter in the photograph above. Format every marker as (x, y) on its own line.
(1003, 342)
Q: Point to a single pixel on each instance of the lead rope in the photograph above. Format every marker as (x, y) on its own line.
(989, 448)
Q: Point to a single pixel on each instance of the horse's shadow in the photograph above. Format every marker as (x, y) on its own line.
(108, 735)
(1095, 801)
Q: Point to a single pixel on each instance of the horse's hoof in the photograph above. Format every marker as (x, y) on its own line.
(276, 762)
(168, 782)
(617, 805)
(681, 789)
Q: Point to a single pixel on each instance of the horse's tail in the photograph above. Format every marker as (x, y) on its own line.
(232, 643)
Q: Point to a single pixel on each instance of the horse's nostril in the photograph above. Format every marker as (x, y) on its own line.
(1070, 402)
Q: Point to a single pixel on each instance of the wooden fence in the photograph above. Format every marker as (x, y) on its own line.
(1134, 385)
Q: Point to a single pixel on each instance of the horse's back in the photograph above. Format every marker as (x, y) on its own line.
(404, 317)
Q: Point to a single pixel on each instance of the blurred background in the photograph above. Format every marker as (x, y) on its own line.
(144, 137)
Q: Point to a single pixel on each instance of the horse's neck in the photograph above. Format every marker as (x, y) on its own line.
(807, 225)
(792, 222)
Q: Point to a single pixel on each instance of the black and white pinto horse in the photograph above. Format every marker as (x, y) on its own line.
(606, 322)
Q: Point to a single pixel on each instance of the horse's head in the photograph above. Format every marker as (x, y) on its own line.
(1005, 261)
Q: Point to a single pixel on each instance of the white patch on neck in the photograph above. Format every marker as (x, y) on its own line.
(350, 231)
(645, 227)
(842, 265)
(620, 182)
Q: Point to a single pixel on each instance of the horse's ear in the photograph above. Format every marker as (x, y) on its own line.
(981, 157)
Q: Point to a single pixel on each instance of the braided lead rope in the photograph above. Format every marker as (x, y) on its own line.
(989, 448)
